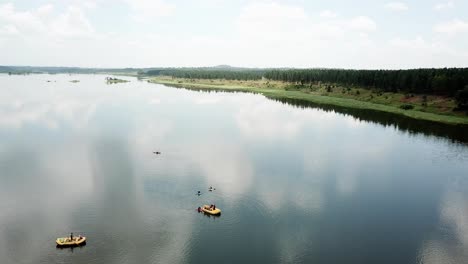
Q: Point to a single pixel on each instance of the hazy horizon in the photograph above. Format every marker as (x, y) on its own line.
(363, 34)
(224, 66)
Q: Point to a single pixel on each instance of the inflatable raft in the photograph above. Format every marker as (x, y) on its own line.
(67, 242)
(208, 210)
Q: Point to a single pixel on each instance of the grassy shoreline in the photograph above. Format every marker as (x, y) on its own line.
(435, 110)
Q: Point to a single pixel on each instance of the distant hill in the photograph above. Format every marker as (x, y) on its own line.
(56, 70)
(77, 70)
(5, 69)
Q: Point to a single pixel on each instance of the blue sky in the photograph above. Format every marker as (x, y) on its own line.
(281, 33)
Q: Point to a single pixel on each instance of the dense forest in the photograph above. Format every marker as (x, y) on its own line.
(451, 82)
(447, 81)
(210, 73)
(424, 81)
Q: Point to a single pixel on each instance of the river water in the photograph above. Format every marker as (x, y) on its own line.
(295, 184)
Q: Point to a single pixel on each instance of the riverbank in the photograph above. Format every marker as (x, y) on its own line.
(430, 108)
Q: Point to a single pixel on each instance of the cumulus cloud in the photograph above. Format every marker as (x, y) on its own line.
(90, 4)
(73, 23)
(271, 18)
(148, 9)
(362, 23)
(445, 5)
(397, 6)
(417, 43)
(452, 27)
(266, 28)
(27, 21)
(261, 34)
(40, 23)
(9, 30)
(265, 18)
(328, 14)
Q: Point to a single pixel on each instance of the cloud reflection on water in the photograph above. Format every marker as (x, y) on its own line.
(42, 203)
(449, 246)
(285, 176)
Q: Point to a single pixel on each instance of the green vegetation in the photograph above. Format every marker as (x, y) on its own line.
(421, 81)
(210, 73)
(406, 106)
(425, 107)
(111, 80)
(419, 93)
(445, 82)
(462, 99)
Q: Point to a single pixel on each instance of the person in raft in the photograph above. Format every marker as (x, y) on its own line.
(71, 236)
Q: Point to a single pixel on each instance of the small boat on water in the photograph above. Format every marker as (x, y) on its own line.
(207, 209)
(71, 242)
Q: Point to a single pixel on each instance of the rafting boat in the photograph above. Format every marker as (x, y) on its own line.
(68, 242)
(208, 210)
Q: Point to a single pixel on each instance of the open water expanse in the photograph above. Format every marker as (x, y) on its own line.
(295, 184)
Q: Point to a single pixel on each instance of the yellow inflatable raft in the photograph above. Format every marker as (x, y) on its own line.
(208, 210)
(67, 242)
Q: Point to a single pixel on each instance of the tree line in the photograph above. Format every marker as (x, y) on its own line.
(209, 73)
(447, 81)
(424, 81)
(451, 82)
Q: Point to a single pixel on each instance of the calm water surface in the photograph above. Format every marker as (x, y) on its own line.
(295, 185)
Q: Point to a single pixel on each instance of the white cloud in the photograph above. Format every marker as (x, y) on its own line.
(296, 38)
(27, 22)
(40, 23)
(328, 14)
(148, 9)
(445, 5)
(362, 23)
(261, 18)
(72, 23)
(417, 43)
(397, 6)
(9, 30)
(45, 10)
(264, 29)
(90, 4)
(453, 27)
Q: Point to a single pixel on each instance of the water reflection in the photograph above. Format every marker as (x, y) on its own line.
(458, 133)
(295, 185)
(39, 197)
(449, 241)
